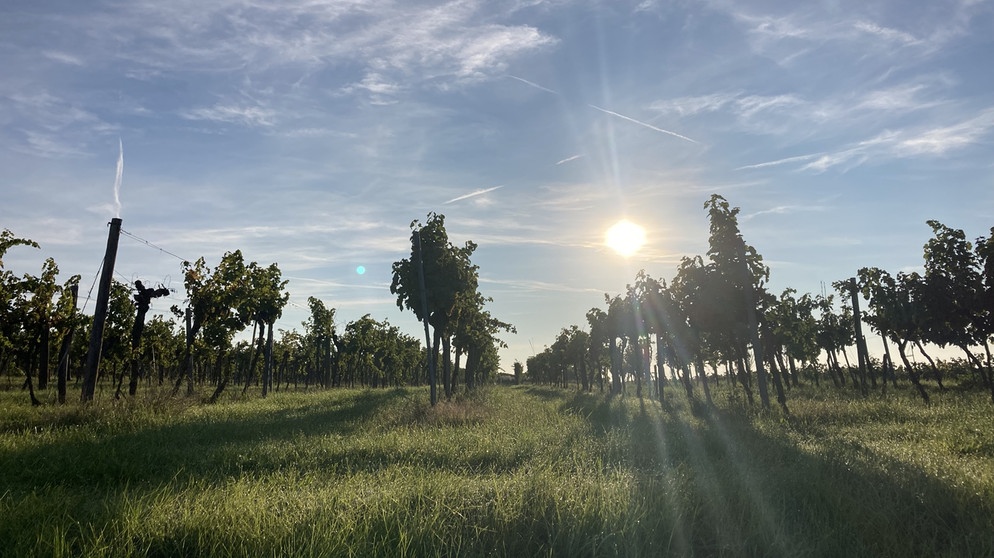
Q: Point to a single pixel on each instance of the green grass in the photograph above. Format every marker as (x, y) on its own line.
(522, 471)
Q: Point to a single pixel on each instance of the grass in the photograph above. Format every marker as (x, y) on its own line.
(524, 471)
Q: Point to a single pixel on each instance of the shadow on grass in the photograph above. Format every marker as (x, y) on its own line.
(727, 483)
(729, 487)
(212, 448)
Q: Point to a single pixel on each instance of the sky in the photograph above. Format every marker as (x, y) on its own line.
(312, 133)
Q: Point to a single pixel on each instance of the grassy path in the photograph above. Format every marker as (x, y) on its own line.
(519, 471)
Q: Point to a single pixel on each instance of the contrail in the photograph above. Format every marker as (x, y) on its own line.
(533, 84)
(568, 159)
(640, 123)
(473, 194)
(118, 177)
(780, 162)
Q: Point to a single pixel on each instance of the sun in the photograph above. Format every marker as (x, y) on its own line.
(625, 237)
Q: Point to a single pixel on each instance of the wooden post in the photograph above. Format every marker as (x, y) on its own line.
(861, 351)
(100, 312)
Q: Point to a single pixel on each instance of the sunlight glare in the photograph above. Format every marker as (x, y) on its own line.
(625, 237)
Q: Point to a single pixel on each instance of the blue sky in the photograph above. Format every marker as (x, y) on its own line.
(312, 133)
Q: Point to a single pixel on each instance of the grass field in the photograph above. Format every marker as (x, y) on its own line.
(523, 471)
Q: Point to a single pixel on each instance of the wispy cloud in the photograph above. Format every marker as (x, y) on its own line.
(542, 286)
(473, 194)
(791, 35)
(381, 90)
(940, 140)
(388, 43)
(900, 98)
(234, 114)
(50, 145)
(854, 154)
(62, 57)
(778, 162)
(640, 123)
(784, 210)
(568, 159)
(49, 125)
(768, 114)
(689, 106)
(533, 84)
(885, 33)
(932, 141)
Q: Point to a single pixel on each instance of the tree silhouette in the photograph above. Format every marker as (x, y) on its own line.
(952, 293)
(217, 307)
(432, 282)
(319, 336)
(741, 275)
(894, 304)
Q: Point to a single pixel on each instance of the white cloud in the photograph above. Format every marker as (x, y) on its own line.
(890, 144)
(916, 30)
(388, 40)
(783, 210)
(540, 286)
(940, 140)
(568, 159)
(690, 106)
(62, 57)
(778, 162)
(474, 194)
(233, 114)
(904, 97)
(886, 33)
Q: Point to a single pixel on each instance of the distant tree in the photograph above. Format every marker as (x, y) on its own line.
(15, 312)
(614, 327)
(377, 354)
(576, 355)
(448, 277)
(115, 352)
(215, 298)
(32, 308)
(264, 304)
(675, 342)
(952, 293)
(569, 356)
(637, 332)
(289, 352)
(893, 305)
(67, 319)
(742, 275)
(833, 334)
(319, 337)
(559, 360)
(597, 345)
(162, 348)
(698, 315)
(541, 368)
(36, 303)
(12, 289)
(476, 334)
(794, 331)
(984, 325)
